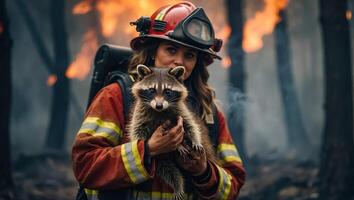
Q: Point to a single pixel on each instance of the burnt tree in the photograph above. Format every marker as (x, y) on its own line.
(6, 183)
(337, 154)
(296, 133)
(60, 97)
(43, 50)
(236, 74)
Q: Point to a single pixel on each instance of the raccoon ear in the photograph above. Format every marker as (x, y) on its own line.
(143, 71)
(178, 72)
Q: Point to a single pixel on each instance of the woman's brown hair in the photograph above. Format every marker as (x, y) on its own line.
(199, 76)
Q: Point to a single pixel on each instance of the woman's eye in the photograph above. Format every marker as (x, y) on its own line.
(171, 50)
(190, 55)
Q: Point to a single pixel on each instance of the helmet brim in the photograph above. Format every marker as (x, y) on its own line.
(141, 41)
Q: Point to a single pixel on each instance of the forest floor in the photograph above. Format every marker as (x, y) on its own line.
(51, 178)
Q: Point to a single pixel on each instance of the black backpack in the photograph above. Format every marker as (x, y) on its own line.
(111, 66)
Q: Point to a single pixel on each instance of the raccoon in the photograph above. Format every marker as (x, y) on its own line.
(160, 96)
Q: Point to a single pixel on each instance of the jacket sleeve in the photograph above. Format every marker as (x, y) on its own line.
(224, 179)
(102, 157)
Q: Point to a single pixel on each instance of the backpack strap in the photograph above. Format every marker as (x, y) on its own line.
(214, 127)
(125, 82)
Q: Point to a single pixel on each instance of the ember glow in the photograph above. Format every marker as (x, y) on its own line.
(226, 62)
(52, 79)
(349, 15)
(81, 66)
(263, 23)
(1, 28)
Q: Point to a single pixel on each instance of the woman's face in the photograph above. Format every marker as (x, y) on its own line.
(169, 54)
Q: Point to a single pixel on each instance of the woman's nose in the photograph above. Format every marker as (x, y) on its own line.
(178, 60)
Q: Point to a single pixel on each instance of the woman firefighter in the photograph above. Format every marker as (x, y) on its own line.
(109, 165)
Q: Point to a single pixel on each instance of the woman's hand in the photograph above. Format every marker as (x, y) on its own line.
(164, 141)
(195, 162)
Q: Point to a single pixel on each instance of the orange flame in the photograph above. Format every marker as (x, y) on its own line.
(81, 66)
(82, 8)
(224, 34)
(52, 79)
(263, 23)
(349, 15)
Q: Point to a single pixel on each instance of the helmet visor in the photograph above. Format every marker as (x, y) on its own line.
(199, 30)
(195, 29)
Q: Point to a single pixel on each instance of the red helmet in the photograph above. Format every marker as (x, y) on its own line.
(182, 23)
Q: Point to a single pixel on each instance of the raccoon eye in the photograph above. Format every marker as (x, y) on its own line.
(168, 92)
(152, 90)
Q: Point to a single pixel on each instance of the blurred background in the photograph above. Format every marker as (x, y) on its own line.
(285, 84)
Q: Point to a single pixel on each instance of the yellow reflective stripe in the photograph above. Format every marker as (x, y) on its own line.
(232, 159)
(91, 194)
(133, 163)
(104, 124)
(224, 146)
(138, 161)
(102, 134)
(162, 13)
(228, 153)
(97, 127)
(126, 164)
(224, 186)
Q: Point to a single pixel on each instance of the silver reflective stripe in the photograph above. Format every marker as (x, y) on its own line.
(228, 153)
(224, 184)
(98, 129)
(133, 163)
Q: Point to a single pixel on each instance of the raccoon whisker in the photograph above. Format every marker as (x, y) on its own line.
(175, 99)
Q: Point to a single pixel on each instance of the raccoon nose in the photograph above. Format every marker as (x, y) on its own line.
(159, 106)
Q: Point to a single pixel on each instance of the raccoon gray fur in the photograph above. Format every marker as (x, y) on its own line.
(160, 96)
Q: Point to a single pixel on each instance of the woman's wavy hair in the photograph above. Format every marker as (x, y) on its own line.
(199, 76)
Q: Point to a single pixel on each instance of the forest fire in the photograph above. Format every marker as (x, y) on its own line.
(261, 24)
(110, 13)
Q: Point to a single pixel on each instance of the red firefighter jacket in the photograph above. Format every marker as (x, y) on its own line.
(104, 158)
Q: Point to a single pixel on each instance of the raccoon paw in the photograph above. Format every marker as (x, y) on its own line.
(183, 151)
(198, 147)
(179, 196)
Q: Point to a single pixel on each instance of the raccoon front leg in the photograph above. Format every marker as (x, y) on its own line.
(183, 151)
(172, 176)
(193, 134)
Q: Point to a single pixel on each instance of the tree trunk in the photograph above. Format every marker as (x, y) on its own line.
(297, 137)
(6, 183)
(60, 100)
(236, 75)
(43, 51)
(337, 153)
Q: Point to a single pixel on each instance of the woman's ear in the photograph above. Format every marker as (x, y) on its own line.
(178, 72)
(143, 71)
